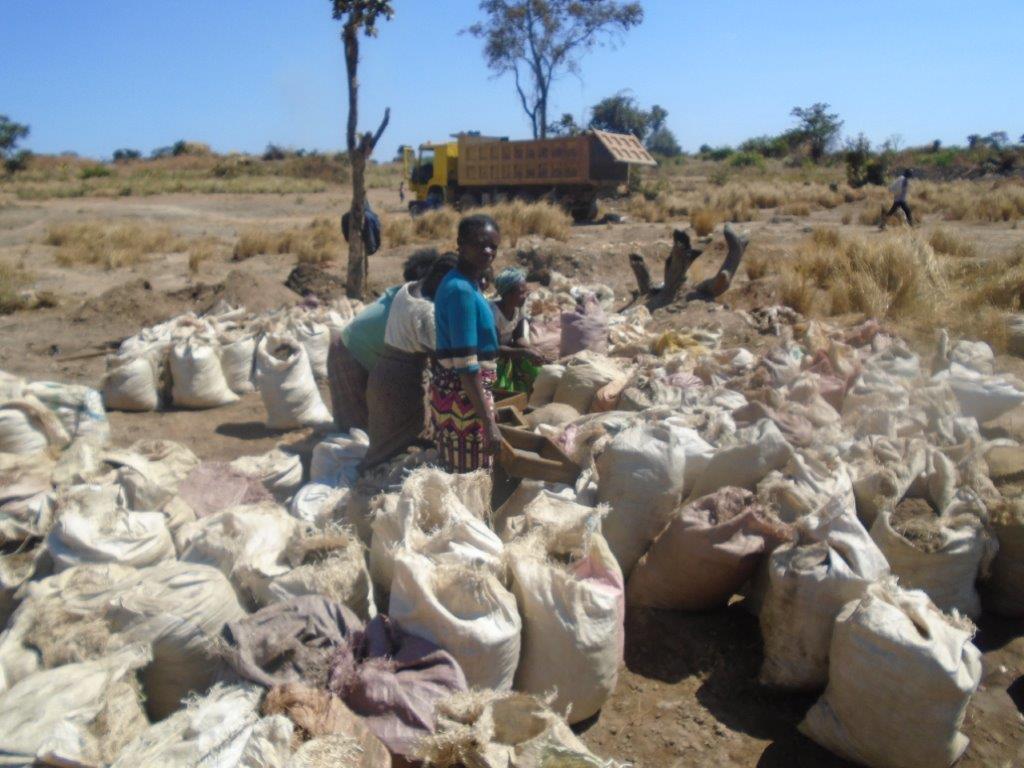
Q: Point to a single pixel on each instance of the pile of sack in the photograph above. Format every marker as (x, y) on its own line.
(838, 483)
(189, 613)
(205, 362)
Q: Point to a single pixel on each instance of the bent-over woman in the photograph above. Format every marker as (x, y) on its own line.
(395, 392)
(463, 374)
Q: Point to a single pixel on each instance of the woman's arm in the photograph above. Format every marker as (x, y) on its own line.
(473, 386)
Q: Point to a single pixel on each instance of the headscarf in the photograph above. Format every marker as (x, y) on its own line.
(509, 279)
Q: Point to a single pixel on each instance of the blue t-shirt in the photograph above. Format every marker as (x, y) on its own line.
(466, 336)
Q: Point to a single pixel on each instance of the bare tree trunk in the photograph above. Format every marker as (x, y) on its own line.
(356, 283)
(642, 274)
(359, 150)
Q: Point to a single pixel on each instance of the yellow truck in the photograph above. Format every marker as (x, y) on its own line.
(480, 170)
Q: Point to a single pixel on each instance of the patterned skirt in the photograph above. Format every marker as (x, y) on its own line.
(458, 432)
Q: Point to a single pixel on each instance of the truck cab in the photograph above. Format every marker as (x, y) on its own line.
(430, 174)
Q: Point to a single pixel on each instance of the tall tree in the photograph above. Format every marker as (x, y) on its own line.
(818, 127)
(621, 114)
(356, 16)
(538, 41)
(10, 134)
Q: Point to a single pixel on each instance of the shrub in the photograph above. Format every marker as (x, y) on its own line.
(110, 245)
(704, 221)
(124, 155)
(315, 243)
(96, 172)
(746, 160)
(948, 242)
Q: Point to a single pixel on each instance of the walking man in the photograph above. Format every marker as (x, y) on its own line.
(899, 190)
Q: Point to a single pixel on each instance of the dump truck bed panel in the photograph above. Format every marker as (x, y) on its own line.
(541, 162)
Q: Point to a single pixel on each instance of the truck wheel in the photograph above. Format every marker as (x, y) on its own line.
(584, 212)
(467, 200)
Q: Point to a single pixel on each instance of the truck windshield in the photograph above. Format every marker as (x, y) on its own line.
(424, 169)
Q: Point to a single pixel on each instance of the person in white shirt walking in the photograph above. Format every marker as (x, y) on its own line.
(899, 190)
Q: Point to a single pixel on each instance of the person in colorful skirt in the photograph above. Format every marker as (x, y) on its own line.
(464, 370)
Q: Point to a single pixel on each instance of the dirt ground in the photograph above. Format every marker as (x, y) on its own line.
(688, 692)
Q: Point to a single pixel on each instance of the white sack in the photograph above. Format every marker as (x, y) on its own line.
(316, 503)
(336, 459)
(585, 373)
(315, 338)
(237, 351)
(136, 539)
(804, 486)
(573, 617)
(751, 454)
(222, 729)
(197, 377)
(545, 385)
(429, 516)
(900, 677)
(832, 562)
(28, 426)
(50, 718)
(79, 409)
(287, 386)
(948, 572)
(882, 470)
(247, 544)
(463, 609)
(640, 476)
(983, 397)
(279, 471)
(151, 471)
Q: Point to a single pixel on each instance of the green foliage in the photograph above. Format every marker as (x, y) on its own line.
(621, 114)
(96, 172)
(746, 160)
(362, 14)
(818, 127)
(663, 142)
(10, 134)
(538, 41)
(715, 153)
(566, 126)
(123, 155)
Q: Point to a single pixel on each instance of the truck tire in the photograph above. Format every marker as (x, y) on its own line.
(468, 200)
(584, 212)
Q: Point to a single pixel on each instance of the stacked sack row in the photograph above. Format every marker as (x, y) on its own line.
(191, 613)
(209, 361)
(838, 482)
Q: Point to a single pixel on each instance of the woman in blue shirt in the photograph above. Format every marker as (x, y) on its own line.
(463, 373)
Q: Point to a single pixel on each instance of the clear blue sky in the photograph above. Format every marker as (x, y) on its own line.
(94, 75)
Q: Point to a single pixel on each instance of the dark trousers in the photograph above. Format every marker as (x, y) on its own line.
(901, 205)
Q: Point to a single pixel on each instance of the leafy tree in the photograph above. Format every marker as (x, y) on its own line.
(10, 134)
(566, 126)
(973, 141)
(123, 155)
(356, 16)
(663, 142)
(997, 139)
(621, 114)
(400, 153)
(818, 127)
(274, 152)
(538, 41)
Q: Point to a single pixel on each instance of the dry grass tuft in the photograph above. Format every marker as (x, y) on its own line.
(896, 277)
(704, 221)
(317, 242)
(757, 267)
(516, 219)
(110, 245)
(202, 250)
(950, 243)
(13, 281)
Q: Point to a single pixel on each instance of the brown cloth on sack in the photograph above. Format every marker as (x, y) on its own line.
(708, 550)
(347, 381)
(317, 713)
(290, 641)
(396, 405)
(394, 680)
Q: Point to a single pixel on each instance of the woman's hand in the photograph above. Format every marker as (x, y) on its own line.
(492, 438)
